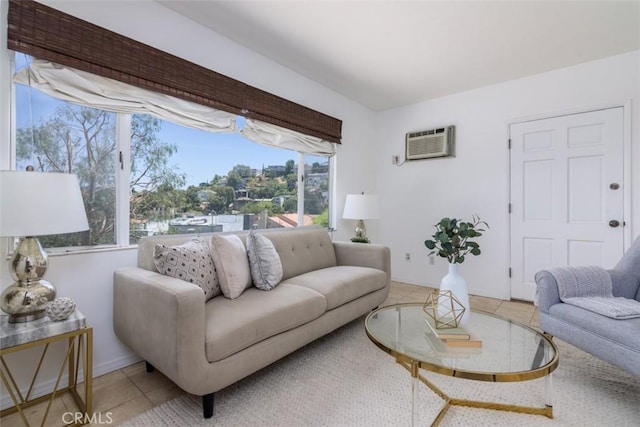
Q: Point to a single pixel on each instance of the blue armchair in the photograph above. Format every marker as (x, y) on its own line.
(613, 340)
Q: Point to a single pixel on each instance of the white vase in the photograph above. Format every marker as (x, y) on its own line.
(455, 283)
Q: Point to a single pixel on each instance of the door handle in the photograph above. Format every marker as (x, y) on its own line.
(614, 223)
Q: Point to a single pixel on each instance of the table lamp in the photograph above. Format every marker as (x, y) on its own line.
(361, 207)
(35, 204)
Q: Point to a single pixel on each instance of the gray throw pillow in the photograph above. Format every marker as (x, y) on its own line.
(266, 268)
(190, 262)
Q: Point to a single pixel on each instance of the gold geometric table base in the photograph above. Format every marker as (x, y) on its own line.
(79, 353)
(414, 369)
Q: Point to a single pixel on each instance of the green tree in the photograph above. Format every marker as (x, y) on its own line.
(81, 140)
(313, 203)
(192, 201)
(217, 204)
(216, 179)
(167, 199)
(322, 219)
(289, 165)
(243, 170)
(257, 207)
(317, 167)
(292, 181)
(290, 205)
(227, 196)
(77, 140)
(234, 180)
(269, 189)
(150, 168)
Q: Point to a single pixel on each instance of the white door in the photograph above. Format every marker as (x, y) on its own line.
(566, 194)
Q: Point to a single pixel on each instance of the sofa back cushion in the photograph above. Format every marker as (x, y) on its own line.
(302, 249)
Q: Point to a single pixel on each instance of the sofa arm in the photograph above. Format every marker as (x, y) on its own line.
(547, 293)
(624, 284)
(364, 255)
(160, 318)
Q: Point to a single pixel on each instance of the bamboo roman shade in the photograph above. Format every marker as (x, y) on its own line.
(50, 34)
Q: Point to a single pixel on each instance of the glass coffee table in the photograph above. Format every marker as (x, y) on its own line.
(510, 352)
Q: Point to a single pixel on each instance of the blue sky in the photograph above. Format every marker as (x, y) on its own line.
(201, 155)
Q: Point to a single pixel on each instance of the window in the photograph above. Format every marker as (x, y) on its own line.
(187, 180)
(70, 138)
(316, 189)
(176, 180)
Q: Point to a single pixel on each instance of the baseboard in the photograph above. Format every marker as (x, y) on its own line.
(408, 281)
(44, 387)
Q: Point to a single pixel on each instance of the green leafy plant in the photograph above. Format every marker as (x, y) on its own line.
(452, 239)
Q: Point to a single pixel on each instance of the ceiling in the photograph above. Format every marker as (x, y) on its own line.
(385, 54)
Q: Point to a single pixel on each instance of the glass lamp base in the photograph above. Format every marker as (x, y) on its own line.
(23, 318)
(27, 302)
(29, 295)
(361, 233)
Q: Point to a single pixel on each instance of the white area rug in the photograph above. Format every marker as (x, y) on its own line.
(345, 380)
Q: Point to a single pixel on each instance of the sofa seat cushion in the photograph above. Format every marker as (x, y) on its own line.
(623, 332)
(233, 325)
(341, 284)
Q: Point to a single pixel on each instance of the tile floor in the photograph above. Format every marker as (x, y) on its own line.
(125, 393)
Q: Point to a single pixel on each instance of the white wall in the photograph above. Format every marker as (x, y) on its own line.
(87, 278)
(417, 194)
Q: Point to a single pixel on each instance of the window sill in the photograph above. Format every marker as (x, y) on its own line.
(56, 252)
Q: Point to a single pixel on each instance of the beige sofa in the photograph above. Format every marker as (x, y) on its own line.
(204, 347)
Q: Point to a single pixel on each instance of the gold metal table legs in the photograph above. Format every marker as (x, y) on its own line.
(413, 368)
(79, 354)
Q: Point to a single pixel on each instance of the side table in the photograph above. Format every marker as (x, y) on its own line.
(16, 337)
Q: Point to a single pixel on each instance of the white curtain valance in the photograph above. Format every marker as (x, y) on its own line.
(103, 93)
(279, 137)
(94, 91)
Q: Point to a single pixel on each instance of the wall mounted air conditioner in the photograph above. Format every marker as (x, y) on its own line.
(429, 144)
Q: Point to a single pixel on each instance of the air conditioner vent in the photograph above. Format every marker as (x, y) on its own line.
(432, 143)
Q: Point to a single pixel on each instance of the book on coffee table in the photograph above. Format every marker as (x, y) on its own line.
(441, 349)
(447, 333)
(470, 342)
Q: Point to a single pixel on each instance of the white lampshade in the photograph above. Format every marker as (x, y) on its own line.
(40, 203)
(361, 206)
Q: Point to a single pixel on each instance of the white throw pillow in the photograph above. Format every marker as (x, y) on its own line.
(230, 258)
(190, 262)
(266, 268)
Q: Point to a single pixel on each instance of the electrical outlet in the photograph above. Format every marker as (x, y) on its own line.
(395, 159)
(407, 256)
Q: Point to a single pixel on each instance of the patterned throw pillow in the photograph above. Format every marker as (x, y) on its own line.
(190, 262)
(266, 268)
